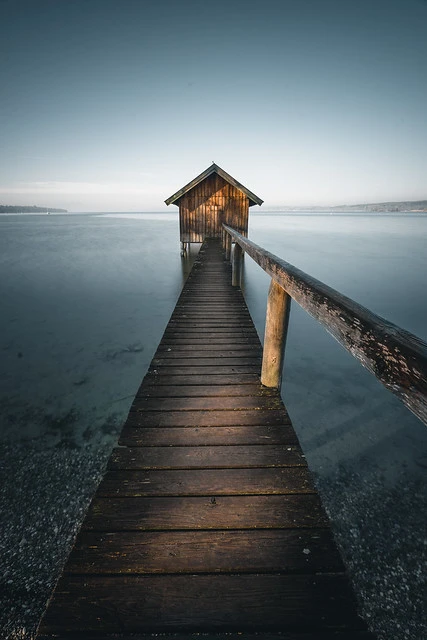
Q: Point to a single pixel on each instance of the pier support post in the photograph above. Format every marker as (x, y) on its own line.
(227, 246)
(276, 328)
(236, 266)
(183, 248)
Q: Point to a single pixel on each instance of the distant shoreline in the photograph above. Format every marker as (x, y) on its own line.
(6, 208)
(415, 206)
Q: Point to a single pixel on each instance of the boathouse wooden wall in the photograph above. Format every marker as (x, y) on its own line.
(204, 208)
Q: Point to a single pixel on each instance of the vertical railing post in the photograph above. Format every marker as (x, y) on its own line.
(276, 327)
(236, 266)
(227, 246)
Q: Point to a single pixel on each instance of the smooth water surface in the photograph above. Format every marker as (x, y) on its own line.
(84, 302)
(380, 262)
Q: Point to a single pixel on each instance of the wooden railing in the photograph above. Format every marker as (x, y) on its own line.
(396, 357)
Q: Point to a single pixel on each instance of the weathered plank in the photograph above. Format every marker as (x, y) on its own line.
(193, 379)
(213, 324)
(207, 521)
(210, 512)
(217, 330)
(332, 634)
(237, 551)
(204, 391)
(193, 342)
(207, 457)
(198, 602)
(166, 368)
(216, 307)
(215, 304)
(206, 403)
(197, 436)
(232, 315)
(213, 361)
(202, 482)
(207, 418)
(197, 348)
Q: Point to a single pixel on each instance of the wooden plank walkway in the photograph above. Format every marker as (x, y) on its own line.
(207, 520)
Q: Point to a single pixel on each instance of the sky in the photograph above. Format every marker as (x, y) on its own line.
(113, 105)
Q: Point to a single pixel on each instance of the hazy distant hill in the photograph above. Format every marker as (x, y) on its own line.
(378, 207)
(7, 208)
(415, 205)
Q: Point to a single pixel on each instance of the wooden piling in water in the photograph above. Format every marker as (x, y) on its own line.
(276, 328)
(236, 269)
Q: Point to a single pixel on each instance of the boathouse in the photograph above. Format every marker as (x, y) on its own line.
(212, 198)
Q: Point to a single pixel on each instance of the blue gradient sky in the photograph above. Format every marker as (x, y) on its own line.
(113, 105)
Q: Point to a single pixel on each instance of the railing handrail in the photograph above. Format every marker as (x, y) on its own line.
(396, 357)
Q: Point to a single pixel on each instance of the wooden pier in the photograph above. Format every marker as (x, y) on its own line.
(207, 520)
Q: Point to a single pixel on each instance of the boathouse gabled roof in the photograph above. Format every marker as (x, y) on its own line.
(214, 168)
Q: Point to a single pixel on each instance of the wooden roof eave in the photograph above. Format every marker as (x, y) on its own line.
(214, 168)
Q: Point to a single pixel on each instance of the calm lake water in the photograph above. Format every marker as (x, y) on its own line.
(84, 302)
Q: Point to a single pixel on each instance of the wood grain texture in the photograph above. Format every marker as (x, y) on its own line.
(206, 418)
(207, 521)
(210, 512)
(331, 634)
(276, 328)
(209, 360)
(193, 379)
(167, 368)
(205, 436)
(202, 482)
(204, 391)
(258, 551)
(194, 342)
(209, 200)
(201, 603)
(207, 457)
(170, 349)
(206, 403)
(216, 333)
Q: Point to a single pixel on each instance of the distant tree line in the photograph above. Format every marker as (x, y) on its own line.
(376, 207)
(7, 208)
(387, 207)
